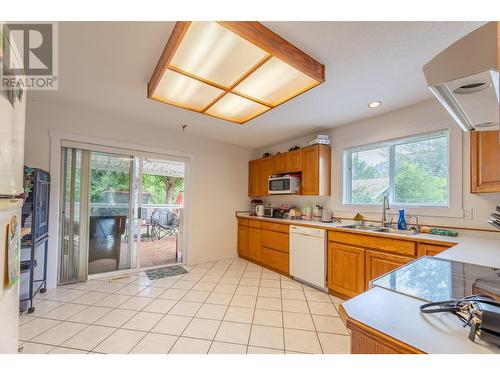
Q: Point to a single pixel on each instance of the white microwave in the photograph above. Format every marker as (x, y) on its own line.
(284, 184)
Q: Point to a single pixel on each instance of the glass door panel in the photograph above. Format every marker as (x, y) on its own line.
(162, 212)
(113, 213)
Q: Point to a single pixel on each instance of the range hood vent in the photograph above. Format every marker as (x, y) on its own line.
(465, 79)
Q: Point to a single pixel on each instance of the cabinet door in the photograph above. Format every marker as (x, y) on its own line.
(294, 161)
(378, 263)
(279, 163)
(243, 240)
(264, 173)
(254, 243)
(484, 165)
(253, 178)
(430, 249)
(310, 171)
(346, 269)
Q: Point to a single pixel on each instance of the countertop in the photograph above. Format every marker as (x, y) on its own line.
(469, 248)
(398, 315)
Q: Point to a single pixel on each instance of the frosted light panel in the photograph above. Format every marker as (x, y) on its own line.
(275, 82)
(184, 91)
(216, 54)
(235, 108)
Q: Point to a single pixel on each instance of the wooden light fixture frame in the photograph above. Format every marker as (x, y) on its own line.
(255, 33)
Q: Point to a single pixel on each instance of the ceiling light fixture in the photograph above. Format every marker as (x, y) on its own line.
(234, 71)
(374, 104)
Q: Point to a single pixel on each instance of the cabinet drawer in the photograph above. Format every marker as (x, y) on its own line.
(285, 228)
(254, 223)
(373, 242)
(275, 259)
(243, 222)
(430, 249)
(275, 240)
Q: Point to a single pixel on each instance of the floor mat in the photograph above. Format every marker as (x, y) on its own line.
(160, 273)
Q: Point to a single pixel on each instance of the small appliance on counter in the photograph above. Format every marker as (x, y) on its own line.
(326, 216)
(281, 213)
(268, 211)
(295, 214)
(259, 210)
(253, 206)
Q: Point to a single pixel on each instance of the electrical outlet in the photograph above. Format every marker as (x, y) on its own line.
(468, 213)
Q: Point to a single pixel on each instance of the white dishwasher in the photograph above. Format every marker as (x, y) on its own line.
(308, 255)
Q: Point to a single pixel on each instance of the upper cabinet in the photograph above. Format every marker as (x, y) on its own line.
(259, 171)
(313, 162)
(484, 165)
(316, 169)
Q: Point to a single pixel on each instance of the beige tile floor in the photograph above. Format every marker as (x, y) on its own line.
(229, 306)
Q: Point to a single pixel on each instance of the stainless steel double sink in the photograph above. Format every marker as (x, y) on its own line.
(376, 228)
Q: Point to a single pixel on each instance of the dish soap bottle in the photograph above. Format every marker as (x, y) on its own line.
(401, 220)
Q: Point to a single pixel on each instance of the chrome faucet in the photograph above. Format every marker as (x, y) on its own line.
(385, 207)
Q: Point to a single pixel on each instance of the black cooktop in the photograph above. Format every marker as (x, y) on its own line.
(434, 279)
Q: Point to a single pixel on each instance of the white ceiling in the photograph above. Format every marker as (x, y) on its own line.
(105, 67)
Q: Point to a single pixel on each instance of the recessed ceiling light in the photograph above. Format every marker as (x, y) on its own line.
(374, 104)
(234, 71)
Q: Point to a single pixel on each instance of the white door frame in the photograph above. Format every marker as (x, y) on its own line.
(99, 144)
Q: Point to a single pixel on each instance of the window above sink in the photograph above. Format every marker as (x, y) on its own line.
(414, 171)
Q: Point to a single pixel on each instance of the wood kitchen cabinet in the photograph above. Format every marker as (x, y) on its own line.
(355, 259)
(259, 171)
(378, 263)
(242, 237)
(316, 169)
(264, 174)
(279, 162)
(294, 161)
(346, 269)
(484, 163)
(253, 177)
(424, 249)
(313, 162)
(254, 243)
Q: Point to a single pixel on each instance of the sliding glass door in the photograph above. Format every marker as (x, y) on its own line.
(119, 212)
(99, 214)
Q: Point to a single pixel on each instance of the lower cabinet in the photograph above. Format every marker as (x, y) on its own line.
(346, 269)
(242, 240)
(430, 249)
(266, 243)
(254, 244)
(275, 259)
(378, 263)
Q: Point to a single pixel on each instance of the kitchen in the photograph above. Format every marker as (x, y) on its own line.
(335, 210)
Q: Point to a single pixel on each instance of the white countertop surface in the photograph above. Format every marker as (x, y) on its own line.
(398, 315)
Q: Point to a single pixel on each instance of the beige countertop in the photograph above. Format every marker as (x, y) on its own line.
(398, 315)
(469, 248)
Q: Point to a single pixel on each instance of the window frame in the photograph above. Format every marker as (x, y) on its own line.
(391, 145)
(457, 142)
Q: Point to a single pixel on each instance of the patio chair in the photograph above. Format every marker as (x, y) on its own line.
(164, 222)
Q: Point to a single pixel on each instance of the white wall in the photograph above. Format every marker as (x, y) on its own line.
(389, 126)
(218, 171)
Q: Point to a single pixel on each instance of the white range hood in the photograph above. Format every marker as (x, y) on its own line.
(465, 79)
